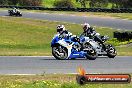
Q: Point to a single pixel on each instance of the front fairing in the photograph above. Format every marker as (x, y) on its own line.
(55, 40)
(77, 54)
(68, 44)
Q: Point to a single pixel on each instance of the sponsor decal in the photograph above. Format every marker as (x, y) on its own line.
(83, 78)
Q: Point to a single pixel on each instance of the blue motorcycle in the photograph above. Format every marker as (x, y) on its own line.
(71, 48)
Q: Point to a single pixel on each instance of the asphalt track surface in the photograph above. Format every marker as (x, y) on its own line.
(97, 21)
(41, 65)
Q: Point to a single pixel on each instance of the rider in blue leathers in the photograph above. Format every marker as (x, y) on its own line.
(65, 34)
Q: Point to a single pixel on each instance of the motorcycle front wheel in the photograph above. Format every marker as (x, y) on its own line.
(20, 14)
(111, 51)
(91, 55)
(10, 14)
(59, 52)
(91, 52)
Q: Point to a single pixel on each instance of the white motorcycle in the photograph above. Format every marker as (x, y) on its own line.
(12, 13)
(101, 49)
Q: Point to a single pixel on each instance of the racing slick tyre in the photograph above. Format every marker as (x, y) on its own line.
(59, 52)
(111, 51)
(20, 15)
(10, 14)
(91, 52)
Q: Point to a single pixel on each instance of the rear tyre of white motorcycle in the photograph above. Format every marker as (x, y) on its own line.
(64, 50)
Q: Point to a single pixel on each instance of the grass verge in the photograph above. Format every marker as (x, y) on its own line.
(28, 37)
(124, 50)
(50, 81)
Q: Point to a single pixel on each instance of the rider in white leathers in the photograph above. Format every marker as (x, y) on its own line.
(90, 32)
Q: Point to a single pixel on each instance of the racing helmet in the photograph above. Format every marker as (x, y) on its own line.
(14, 8)
(60, 28)
(86, 26)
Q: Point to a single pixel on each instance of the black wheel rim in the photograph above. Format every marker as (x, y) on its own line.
(59, 53)
(91, 51)
(111, 50)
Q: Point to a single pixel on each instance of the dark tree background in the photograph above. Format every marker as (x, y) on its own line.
(13, 2)
(104, 3)
(21, 2)
(30, 2)
(63, 4)
(3, 2)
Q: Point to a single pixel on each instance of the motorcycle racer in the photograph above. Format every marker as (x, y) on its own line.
(91, 33)
(88, 30)
(66, 46)
(15, 10)
(63, 33)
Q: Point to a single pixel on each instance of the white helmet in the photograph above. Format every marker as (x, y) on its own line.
(60, 28)
(86, 26)
(14, 8)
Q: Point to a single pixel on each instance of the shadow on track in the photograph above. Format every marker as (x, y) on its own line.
(74, 59)
(64, 60)
(11, 16)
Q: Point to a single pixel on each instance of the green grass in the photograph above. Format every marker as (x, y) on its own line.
(50, 81)
(28, 37)
(116, 42)
(23, 36)
(124, 50)
(50, 3)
